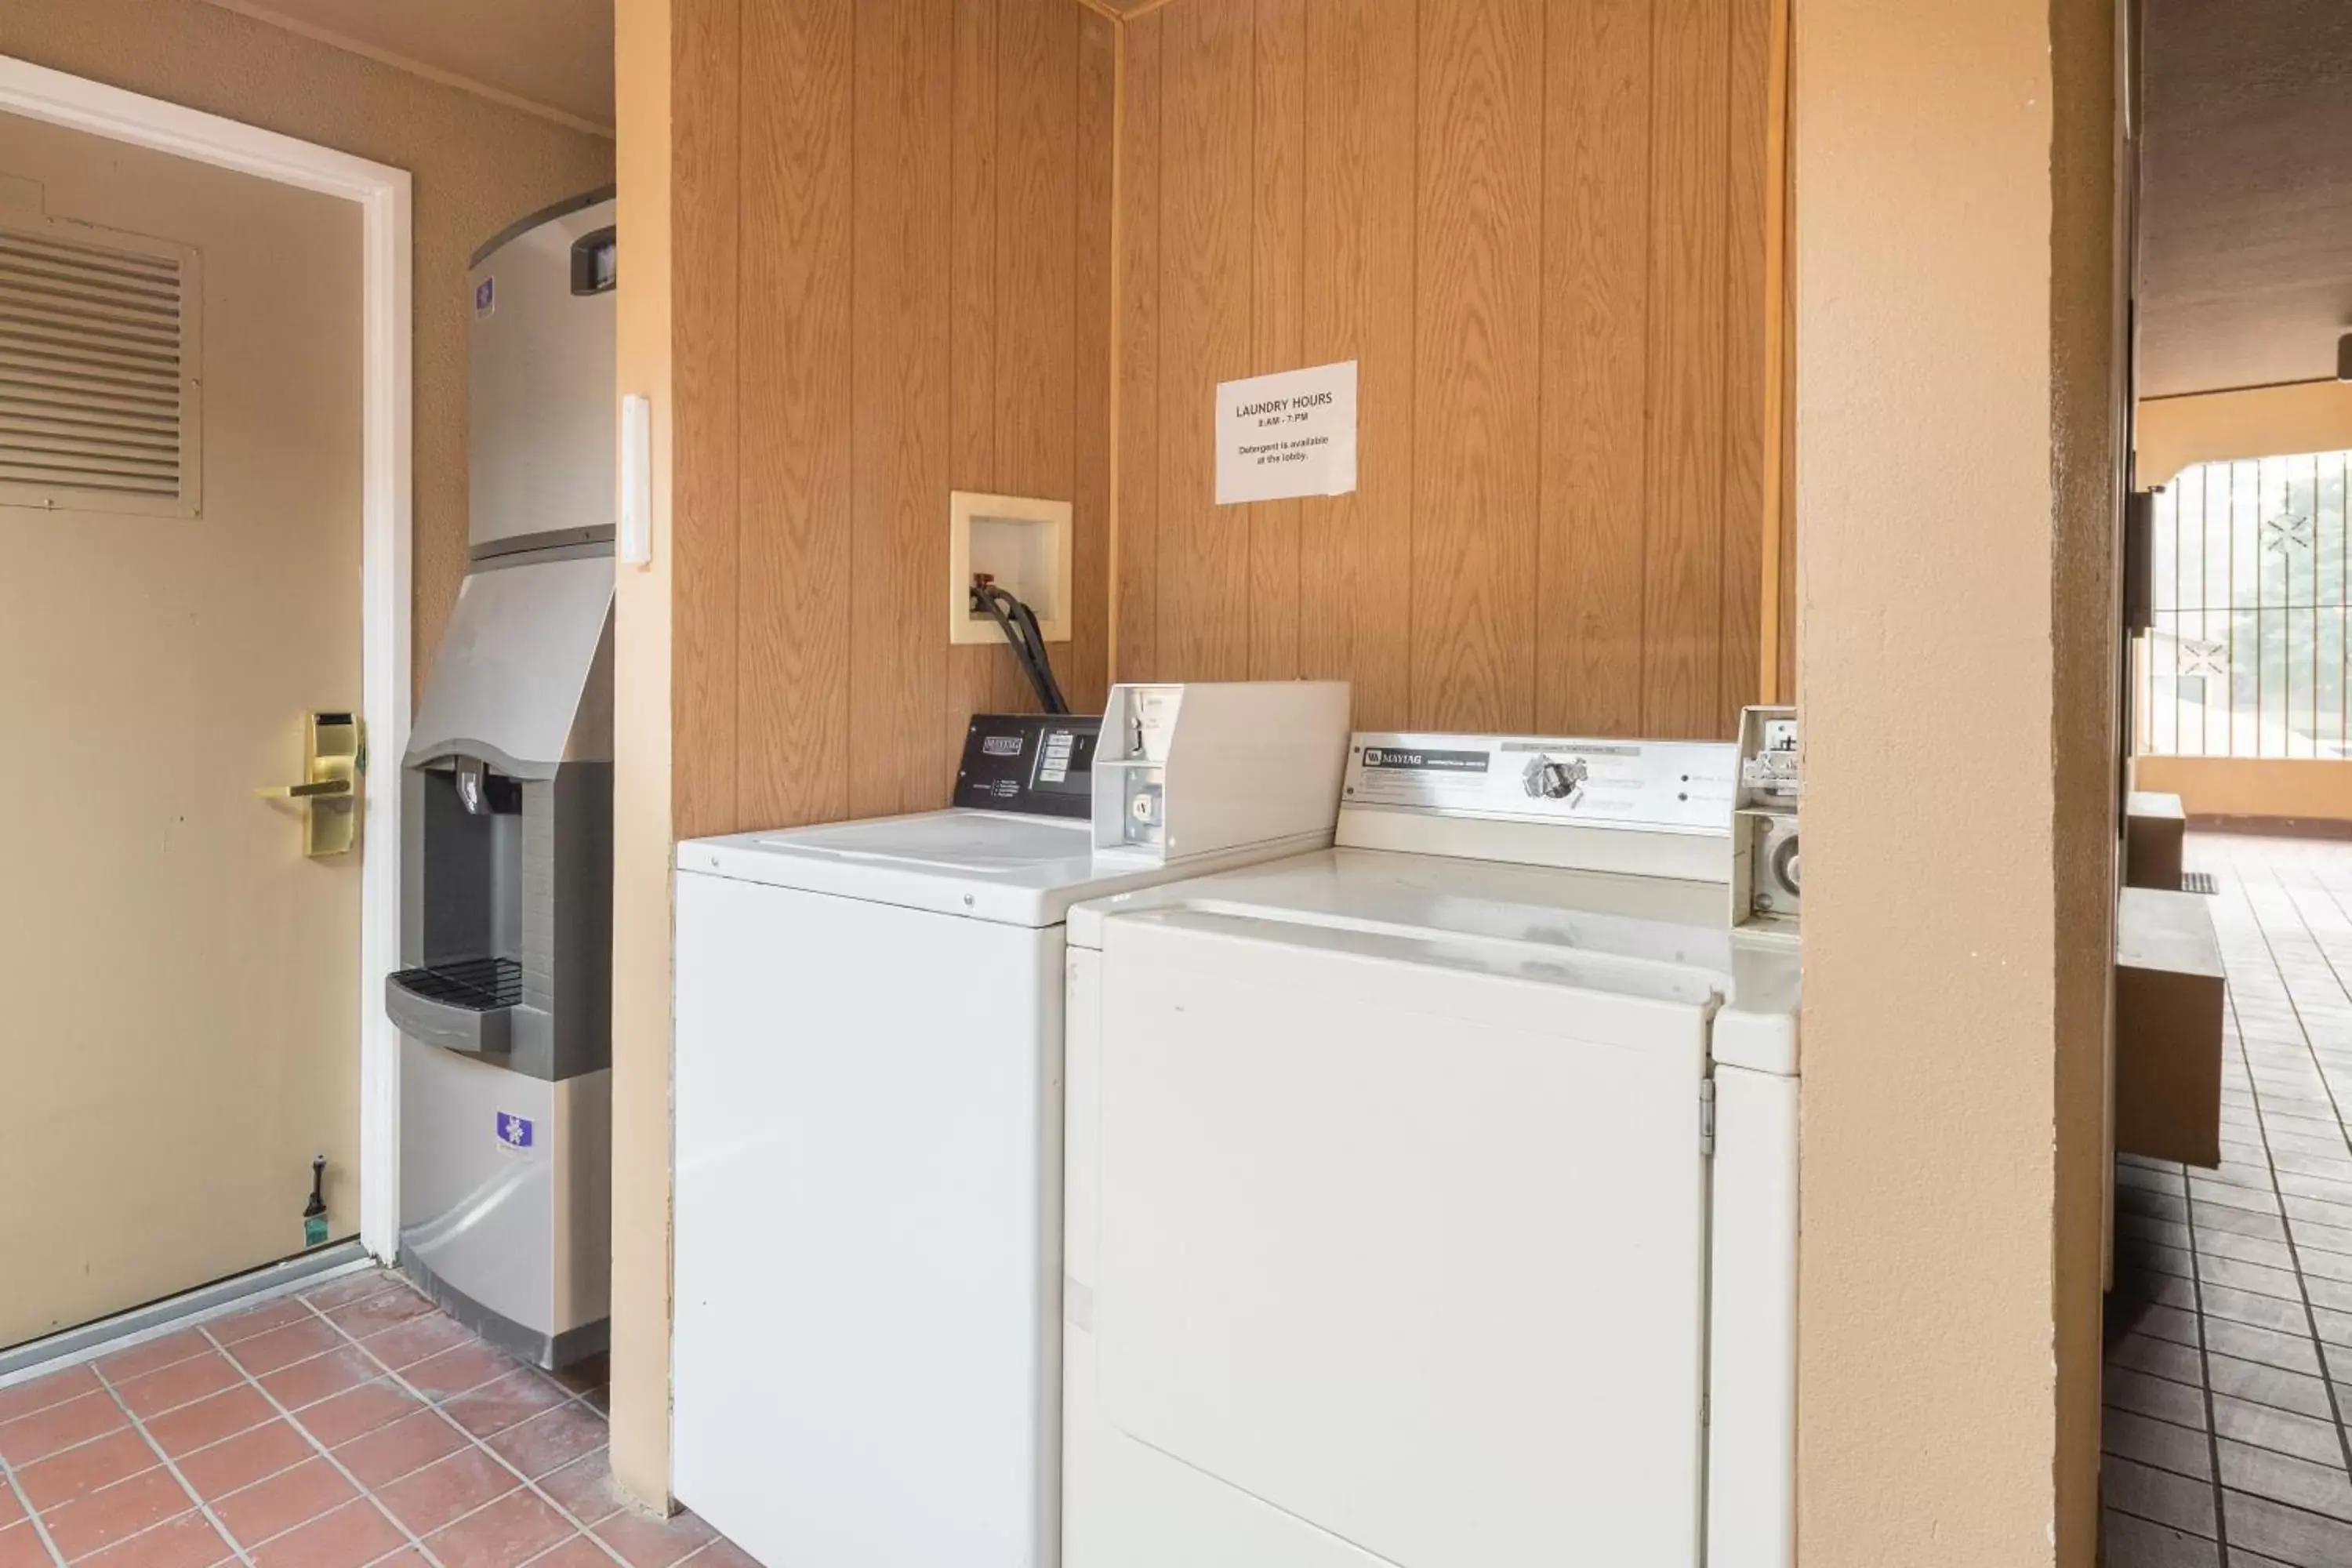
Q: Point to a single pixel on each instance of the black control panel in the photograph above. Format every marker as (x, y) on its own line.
(1032, 763)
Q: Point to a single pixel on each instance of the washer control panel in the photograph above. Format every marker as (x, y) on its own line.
(1035, 763)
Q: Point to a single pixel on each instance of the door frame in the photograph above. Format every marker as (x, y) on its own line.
(381, 192)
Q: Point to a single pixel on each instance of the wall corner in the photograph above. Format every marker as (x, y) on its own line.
(642, 837)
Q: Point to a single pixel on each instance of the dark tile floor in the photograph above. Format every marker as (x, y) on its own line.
(2228, 1373)
(351, 1425)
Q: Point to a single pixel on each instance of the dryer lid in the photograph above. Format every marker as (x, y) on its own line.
(1611, 931)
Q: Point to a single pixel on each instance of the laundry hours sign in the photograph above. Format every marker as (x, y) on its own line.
(1290, 434)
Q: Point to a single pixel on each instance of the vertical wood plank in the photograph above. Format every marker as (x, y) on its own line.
(1774, 633)
(1331, 567)
(704, 193)
(1036, 267)
(971, 238)
(1783, 425)
(1683, 578)
(1277, 294)
(1477, 432)
(898, 670)
(1086, 681)
(1595, 367)
(1747, 392)
(1205, 333)
(1136, 657)
(1790, 688)
(1355, 551)
(797, 352)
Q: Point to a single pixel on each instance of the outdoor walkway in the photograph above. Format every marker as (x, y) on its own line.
(2229, 1332)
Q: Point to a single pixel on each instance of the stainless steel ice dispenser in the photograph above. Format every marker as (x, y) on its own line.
(505, 1003)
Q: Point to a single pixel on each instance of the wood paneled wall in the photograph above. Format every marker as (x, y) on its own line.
(1540, 225)
(892, 274)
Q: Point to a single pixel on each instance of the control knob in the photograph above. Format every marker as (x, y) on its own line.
(1547, 778)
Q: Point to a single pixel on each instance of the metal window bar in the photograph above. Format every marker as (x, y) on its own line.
(2251, 653)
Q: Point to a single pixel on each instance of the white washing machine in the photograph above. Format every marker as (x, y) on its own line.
(869, 1119)
(1431, 1199)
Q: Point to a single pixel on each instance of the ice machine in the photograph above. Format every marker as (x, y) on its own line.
(507, 854)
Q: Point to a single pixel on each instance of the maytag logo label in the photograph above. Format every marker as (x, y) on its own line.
(1424, 762)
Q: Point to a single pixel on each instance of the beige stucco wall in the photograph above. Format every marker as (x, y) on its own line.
(641, 793)
(1953, 409)
(2089, 397)
(2174, 432)
(475, 165)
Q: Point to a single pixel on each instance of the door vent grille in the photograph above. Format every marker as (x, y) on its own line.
(99, 354)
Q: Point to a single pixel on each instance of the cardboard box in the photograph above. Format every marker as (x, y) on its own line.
(2154, 826)
(2168, 1009)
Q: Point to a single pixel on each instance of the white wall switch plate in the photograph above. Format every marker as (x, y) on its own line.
(637, 531)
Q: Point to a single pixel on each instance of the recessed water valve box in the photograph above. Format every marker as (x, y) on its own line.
(1021, 544)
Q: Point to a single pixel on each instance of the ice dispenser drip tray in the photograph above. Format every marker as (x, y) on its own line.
(466, 1006)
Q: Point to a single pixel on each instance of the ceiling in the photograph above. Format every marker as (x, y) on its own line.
(2245, 245)
(554, 55)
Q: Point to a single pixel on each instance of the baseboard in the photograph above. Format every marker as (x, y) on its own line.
(2273, 827)
(71, 1347)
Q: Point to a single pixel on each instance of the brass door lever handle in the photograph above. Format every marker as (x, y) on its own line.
(332, 754)
(322, 789)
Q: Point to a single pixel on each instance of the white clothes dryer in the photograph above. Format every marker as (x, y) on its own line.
(1432, 1198)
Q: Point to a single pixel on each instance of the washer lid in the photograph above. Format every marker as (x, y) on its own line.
(1638, 935)
(992, 866)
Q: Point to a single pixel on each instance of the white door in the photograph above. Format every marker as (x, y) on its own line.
(1403, 1246)
(181, 517)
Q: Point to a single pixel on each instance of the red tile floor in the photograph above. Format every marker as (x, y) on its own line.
(350, 1425)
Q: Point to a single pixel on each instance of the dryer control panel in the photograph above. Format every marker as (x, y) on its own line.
(1672, 786)
(1035, 763)
(1649, 808)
